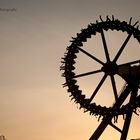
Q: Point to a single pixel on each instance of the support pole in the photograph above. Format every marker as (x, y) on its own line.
(101, 128)
(107, 120)
(126, 126)
(128, 115)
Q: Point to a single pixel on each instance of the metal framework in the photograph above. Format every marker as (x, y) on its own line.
(108, 119)
(129, 71)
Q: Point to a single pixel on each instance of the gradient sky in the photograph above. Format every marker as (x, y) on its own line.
(33, 104)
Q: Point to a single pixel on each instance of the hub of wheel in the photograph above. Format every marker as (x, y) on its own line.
(110, 68)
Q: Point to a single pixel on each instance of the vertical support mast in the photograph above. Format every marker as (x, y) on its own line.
(129, 115)
(107, 120)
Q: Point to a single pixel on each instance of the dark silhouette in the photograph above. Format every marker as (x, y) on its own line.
(129, 71)
(2, 137)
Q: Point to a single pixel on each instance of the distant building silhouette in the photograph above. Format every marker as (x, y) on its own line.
(2, 137)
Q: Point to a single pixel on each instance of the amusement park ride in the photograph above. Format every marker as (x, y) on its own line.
(128, 71)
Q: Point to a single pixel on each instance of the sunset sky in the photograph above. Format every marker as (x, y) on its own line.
(33, 38)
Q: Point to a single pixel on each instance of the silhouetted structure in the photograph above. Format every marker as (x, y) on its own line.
(129, 71)
(2, 137)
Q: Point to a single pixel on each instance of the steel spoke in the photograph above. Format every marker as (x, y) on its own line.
(122, 48)
(87, 73)
(98, 87)
(130, 63)
(91, 56)
(114, 87)
(105, 46)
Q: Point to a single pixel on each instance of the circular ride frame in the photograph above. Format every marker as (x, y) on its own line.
(109, 68)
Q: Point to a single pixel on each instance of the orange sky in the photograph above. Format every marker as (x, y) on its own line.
(33, 104)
